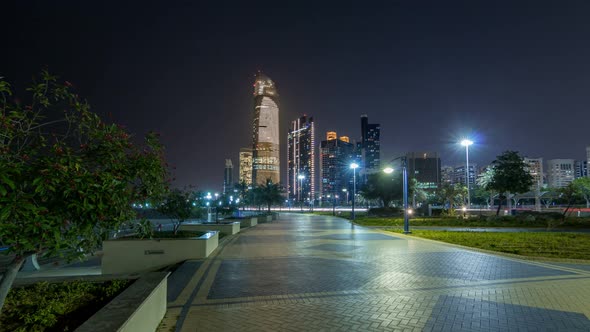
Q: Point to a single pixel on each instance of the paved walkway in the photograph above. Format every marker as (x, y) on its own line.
(314, 273)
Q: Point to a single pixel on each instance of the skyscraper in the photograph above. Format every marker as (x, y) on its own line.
(370, 146)
(228, 176)
(246, 166)
(535, 168)
(265, 132)
(588, 159)
(335, 174)
(301, 159)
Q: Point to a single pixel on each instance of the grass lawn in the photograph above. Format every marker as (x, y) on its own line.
(549, 245)
(472, 222)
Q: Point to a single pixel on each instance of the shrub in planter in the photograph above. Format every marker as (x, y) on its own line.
(56, 306)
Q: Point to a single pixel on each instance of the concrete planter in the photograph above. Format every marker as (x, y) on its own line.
(268, 218)
(275, 216)
(249, 222)
(139, 255)
(227, 229)
(140, 307)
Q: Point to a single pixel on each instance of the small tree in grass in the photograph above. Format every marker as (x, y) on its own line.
(510, 175)
(178, 205)
(66, 178)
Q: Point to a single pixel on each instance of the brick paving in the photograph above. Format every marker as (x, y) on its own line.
(319, 273)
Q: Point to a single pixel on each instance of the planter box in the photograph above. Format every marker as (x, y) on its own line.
(139, 255)
(275, 216)
(227, 229)
(140, 307)
(268, 218)
(249, 222)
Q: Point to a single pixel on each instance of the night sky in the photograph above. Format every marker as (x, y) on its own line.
(508, 74)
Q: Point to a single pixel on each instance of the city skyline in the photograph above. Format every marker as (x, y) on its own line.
(507, 75)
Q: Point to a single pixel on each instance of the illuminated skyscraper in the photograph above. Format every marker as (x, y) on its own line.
(246, 166)
(301, 160)
(265, 132)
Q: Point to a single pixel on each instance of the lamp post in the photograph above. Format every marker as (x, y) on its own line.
(354, 166)
(301, 177)
(346, 191)
(466, 143)
(407, 212)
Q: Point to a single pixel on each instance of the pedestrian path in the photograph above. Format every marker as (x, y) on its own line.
(313, 273)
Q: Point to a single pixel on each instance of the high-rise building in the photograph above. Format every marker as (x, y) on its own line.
(447, 174)
(560, 172)
(336, 156)
(301, 160)
(459, 174)
(228, 176)
(588, 159)
(425, 168)
(266, 161)
(535, 168)
(370, 146)
(246, 166)
(581, 169)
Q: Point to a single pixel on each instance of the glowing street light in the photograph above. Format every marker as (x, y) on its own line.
(354, 166)
(466, 143)
(301, 177)
(407, 211)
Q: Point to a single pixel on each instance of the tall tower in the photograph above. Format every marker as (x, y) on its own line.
(301, 160)
(370, 146)
(228, 176)
(265, 132)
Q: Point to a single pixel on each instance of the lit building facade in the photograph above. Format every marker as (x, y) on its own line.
(336, 156)
(588, 159)
(301, 160)
(266, 162)
(447, 174)
(460, 175)
(425, 168)
(245, 175)
(560, 172)
(228, 176)
(581, 169)
(535, 168)
(370, 146)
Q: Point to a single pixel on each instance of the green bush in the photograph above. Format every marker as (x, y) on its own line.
(56, 306)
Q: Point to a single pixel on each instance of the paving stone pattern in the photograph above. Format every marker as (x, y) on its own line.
(319, 273)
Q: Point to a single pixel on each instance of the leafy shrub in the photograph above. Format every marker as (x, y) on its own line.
(56, 306)
(385, 212)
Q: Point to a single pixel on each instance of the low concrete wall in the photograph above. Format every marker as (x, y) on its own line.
(249, 222)
(140, 307)
(275, 216)
(228, 229)
(139, 255)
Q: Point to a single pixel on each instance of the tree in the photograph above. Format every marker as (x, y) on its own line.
(510, 176)
(383, 187)
(242, 189)
(268, 194)
(178, 205)
(452, 193)
(582, 186)
(66, 178)
(483, 182)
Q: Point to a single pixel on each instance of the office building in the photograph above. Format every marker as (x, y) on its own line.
(336, 155)
(535, 168)
(266, 163)
(560, 172)
(301, 160)
(447, 174)
(581, 169)
(425, 168)
(459, 174)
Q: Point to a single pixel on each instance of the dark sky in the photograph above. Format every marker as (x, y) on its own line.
(509, 74)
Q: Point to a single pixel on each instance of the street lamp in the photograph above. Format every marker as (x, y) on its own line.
(301, 177)
(466, 143)
(407, 212)
(354, 166)
(346, 191)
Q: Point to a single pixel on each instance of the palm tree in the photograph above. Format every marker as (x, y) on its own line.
(269, 194)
